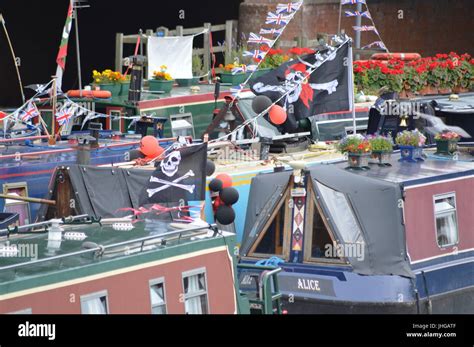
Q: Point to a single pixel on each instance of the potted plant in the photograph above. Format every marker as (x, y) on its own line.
(382, 148)
(411, 145)
(414, 79)
(198, 72)
(447, 143)
(108, 80)
(358, 151)
(161, 81)
(233, 78)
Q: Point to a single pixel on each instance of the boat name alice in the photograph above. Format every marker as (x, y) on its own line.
(306, 284)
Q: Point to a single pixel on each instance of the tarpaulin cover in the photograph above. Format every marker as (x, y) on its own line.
(376, 205)
(174, 52)
(373, 203)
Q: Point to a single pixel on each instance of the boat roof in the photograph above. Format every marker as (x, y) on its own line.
(112, 241)
(434, 168)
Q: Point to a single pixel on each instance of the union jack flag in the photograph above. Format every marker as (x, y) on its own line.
(376, 44)
(365, 28)
(273, 31)
(289, 8)
(237, 89)
(352, 2)
(278, 19)
(257, 54)
(365, 14)
(244, 68)
(254, 38)
(29, 113)
(65, 114)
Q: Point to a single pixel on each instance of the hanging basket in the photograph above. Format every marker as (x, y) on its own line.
(411, 154)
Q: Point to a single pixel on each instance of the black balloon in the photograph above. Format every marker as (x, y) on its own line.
(215, 185)
(229, 195)
(210, 168)
(225, 215)
(261, 103)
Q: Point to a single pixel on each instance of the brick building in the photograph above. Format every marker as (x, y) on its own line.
(424, 26)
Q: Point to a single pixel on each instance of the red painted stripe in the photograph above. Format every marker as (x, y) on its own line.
(178, 100)
(29, 173)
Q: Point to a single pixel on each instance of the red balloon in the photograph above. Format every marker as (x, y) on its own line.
(277, 115)
(226, 180)
(150, 147)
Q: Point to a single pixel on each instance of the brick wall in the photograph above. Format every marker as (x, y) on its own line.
(427, 27)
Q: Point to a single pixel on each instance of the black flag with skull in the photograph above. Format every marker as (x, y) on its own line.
(179, 176)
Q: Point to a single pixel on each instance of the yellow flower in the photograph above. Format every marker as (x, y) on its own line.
(97, 80)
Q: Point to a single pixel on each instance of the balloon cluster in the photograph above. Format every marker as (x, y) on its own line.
(276, 113)
(224, 196)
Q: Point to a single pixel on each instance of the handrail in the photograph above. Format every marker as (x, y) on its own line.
(18, 229)
(103, 248)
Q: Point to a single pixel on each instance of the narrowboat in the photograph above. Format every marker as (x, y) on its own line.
(393, 239)
(86, 266)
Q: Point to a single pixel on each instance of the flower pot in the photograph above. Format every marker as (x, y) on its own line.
(187, 82)
(446, 147)
(428, 90)
(113, 88)
(160, 85)
(124, 88)
(381, 157)
(238, 78)
(261, 72)
(358, 161)
(411, 154)
(459, 90)
(444, 91)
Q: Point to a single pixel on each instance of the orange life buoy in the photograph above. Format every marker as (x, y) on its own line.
(401, 56)
(99, 94)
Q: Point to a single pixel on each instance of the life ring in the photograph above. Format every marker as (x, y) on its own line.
(401, 56)
(98, 94)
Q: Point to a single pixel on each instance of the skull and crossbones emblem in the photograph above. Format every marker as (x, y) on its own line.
(169, 167)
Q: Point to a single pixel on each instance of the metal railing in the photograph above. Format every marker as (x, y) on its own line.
(101, 249)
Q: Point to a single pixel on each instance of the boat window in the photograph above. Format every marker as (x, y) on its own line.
(195, 292)
(341, 215)
(447, 233)
(321, 241)
(94, 303)
(272, 240)
(157, 297)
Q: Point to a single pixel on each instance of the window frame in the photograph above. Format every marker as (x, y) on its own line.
(286, 230)
(94, 296)
(310, 211)
(155, 282)
(439, 197)
(196, 272)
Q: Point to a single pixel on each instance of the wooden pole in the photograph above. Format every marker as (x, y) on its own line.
(229, 35)
(52, 140)
(28, 199)
(2, 20)
(118, 52)
(207, 50)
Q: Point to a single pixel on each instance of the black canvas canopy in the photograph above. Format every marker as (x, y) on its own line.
(101, 191)
(352, 204)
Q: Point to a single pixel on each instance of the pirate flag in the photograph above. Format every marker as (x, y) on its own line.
(179, 176)
(309, 93)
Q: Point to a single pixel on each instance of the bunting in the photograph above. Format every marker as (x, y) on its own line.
(260, 40)
(365, 28)
(273, 31)
(379, 44)
(277, 19)
(289, 8)
(30, 112)
(353, 2)
(65, 113)
(257, 54)
(364, 14)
